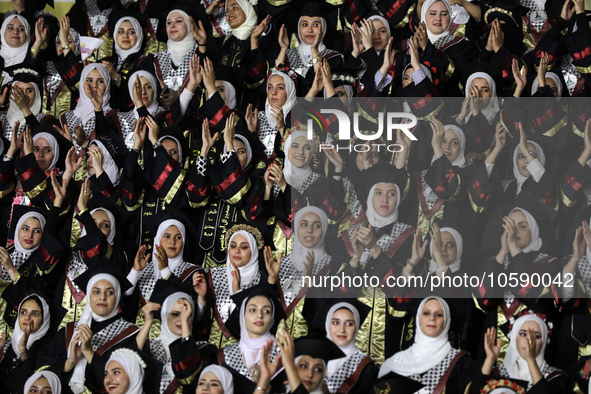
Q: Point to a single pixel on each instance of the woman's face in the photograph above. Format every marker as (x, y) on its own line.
(239, 250)
(309, 230)
(174, 318)
(342, 327)
(30, 316)
(29, 90)
(103, 298)
(43, 153)
(310, 28)
(116, 378)
(15, 34)
(448, 247)
(342, 94)
(102, 221)
(484, 90)
(300, 152)
(523, 236)
(451, 145)
(550, 82)
(437, 18)
(96, 81)
(521, 161)
(311, 372)
(523, 337)
(29, 234)
(276, 91)
(171, 147)
(372, 156)
(172, 242)
(40, 386)
(221, 88)
(71, 43)
(432, 320)
(407, 77)
(147, 91)
(385, 198)
(240, 151)
(126, 36)
(234, 14)
(176, 28)
(380, 35)
(210, 384)
(258, 316)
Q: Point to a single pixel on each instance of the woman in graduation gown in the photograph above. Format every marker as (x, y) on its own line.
(431, 360)
(100, 330)
(177, 313)
(525, 356)
(242, 271)
(356, 369)
(46, 381)
(127, 58)
(15, 38)
(31, 328)
(308, 257)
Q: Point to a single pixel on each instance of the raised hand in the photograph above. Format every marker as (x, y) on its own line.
(260, 29)
(542, 69)
(235, 279)
(80, 137)
(94, 96)
(198, 31)
(200, 286)
(195, 76)
(153, 129)
(149, 310)
(161, 257)
(519, 76)
(59, 189)
(141, 259)
(229, 132)
(98, 159)
(273, 265)
(309, 263)
(252, 118)
(207, 139)
(418, 248)
(28, 141)
(16, 140)
(84, 196)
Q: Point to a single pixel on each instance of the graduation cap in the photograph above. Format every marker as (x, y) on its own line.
(37, 5)
(506, 11)
(262, 289)
(344, 76)
(487, 383)
(163, 288)
(104, 266)
(63, 143)
(115, 146)
(383, 172)
(233, 75)
(193, 9)
(317, 347)
(316, 310)
(392, 383)
(26, 74)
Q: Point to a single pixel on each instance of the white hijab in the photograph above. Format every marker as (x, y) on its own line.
(87, 317)
(515, 364)
(460, 161)
(223, 375)
(289, 102)
(153, 106)
(520, 178)
(536, 242)
(491, 110)
(386, 25)
(14, 113)
(318, 389)
(112, 229)
(54, 381)
(230, 95)
(426, 352)
(251, 347)
(166, 336)
(134, 367)
(299, 251)
(376, 220)
(424, 9)
(249, 271)
(179, 49)
(244, 31)
(85, 109)
(17, 244)
(535, 84)
(305, 50)
(54, 147)
(34, 336)
(124, 53)
(178, 260)
(334, 365)
(295, 176)
(455, 265)
(178, 145)
(243, 139)
(11, 55)
(109, 165)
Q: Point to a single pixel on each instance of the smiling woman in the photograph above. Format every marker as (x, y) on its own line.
(14, 35)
